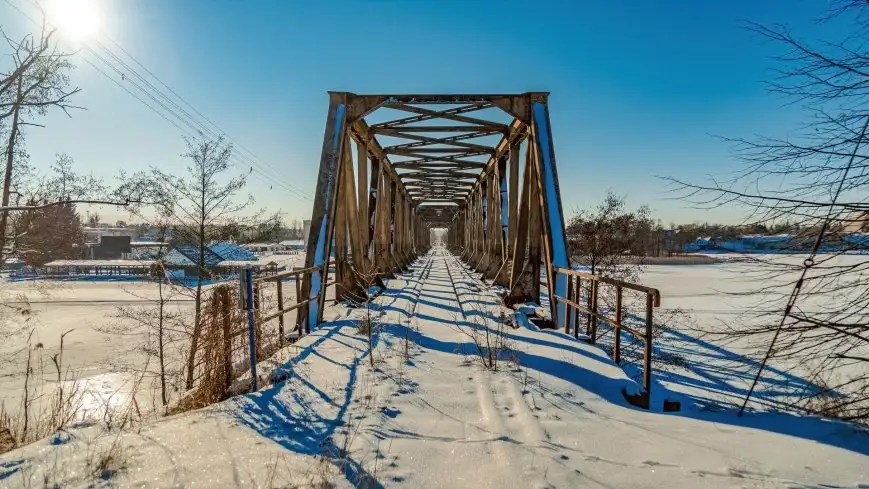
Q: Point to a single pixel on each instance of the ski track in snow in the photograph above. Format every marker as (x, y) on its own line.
(434, 418)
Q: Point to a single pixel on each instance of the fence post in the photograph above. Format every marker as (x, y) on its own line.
(251, 327)
(594, 286)
(228, 312)
(281, 310)
(647, 350)
(617, 342)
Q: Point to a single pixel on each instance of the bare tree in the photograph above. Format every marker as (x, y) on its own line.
(36, 82)
(198, 206)
(158, 319)
(604, 238)
(817, 323)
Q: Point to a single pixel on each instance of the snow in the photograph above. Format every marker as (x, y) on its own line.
(553, 418)
(725, 293)
(104, 364)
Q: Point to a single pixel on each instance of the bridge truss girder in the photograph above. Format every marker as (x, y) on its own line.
(375, 215)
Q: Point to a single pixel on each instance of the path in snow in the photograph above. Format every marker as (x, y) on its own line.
(436, 419)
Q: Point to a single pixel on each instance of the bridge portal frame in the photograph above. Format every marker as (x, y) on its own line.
(376, 219)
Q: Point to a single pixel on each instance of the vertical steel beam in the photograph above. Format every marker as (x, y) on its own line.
(382, 255)
(373, 193)
(553, 216)
(511, 205)
(525, 269)
(364, 196)
(322, 217)
(349, 280)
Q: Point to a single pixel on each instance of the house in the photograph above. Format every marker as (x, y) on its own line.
(262, 248)
(94, 234)
(856, 240)
(759, 242)
(699, 244)
(183, 260)
(294, 244)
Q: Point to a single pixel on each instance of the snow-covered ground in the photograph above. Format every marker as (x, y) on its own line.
(107, 365)
(720, 295)
(428, 415)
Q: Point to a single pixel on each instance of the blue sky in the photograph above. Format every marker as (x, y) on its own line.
(638, 88)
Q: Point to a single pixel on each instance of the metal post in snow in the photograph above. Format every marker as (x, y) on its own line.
(251, 329)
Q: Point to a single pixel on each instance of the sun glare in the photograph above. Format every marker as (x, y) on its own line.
(77, 19)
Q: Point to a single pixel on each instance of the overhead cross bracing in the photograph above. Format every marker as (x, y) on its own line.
(393, 167)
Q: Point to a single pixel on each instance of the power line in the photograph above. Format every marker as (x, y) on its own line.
(188, 104)
(171, 107)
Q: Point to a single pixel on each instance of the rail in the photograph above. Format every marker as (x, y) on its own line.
(594, 316)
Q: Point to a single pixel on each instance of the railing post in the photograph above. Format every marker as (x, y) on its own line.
(578, 295)
(302, 310)
(647, 350)
(566, 305)
(251, 335)
(617, 342)
(281, 310)
(594, 287)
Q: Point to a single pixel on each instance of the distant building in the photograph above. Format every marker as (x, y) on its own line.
(306, 230)
(759, 242)
(264, 247)
(858, 240)
(858, 222)
(94, 234)
(294, 244)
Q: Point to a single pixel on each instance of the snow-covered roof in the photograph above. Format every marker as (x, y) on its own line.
(243, 264)
(767, 237)
(100, 263)
(293, 242)
(231, 251)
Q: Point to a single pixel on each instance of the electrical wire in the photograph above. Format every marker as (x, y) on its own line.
(172, 110)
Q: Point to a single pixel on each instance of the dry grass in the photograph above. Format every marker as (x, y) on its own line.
(491, 346)
(44, 409)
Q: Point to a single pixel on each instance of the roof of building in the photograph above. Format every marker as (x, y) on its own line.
(767, 237)
(214, 254)
(293, 242)
(100, 263)
(231, 252)
(243, 264)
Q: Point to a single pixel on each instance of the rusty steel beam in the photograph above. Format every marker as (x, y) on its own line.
(422, 118)
(392, 129)
(446, 159)
(443, 115)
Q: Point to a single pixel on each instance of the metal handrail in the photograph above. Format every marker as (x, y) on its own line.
(594, 316)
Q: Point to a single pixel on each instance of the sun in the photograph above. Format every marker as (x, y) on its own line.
(77, 19)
